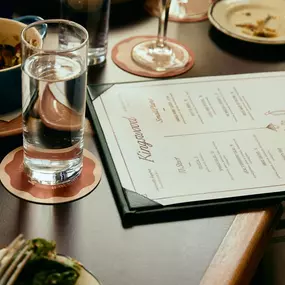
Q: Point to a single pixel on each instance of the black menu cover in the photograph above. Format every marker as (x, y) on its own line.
(138, 209)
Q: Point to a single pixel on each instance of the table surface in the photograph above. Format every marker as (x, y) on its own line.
(90, 229)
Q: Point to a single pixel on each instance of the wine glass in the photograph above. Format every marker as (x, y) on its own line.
(161, 54)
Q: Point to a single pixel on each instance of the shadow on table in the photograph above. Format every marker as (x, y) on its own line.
(95, 73)
(246, 50)
(25, 218)
(64, 218)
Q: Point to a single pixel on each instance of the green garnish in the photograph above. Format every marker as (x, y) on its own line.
(44, 269)
(42, 248)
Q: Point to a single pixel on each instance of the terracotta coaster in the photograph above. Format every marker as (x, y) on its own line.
(121, 55)
(17, 183)
(190, 11)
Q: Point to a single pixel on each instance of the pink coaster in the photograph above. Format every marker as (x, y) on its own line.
(15, 180)
(191, 11)
(121, 55)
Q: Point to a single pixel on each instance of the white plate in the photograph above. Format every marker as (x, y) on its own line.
(226, 14)
(85, 278)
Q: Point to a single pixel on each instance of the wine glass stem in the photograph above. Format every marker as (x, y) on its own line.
(163, 20)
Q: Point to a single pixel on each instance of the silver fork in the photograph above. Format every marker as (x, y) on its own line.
(13, 260)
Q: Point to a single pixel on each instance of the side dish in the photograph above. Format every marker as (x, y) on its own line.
(44, 268)
(259, 29)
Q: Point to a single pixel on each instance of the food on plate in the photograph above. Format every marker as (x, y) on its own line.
(44, 268)
(9, 55)
(247, 14)
(259, 29)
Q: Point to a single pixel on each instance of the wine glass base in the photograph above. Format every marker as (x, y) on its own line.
(149, 56)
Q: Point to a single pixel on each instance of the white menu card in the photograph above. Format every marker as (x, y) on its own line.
(186, 140)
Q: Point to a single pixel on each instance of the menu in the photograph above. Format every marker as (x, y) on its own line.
(196, 139)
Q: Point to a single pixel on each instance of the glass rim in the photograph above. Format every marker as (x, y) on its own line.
(54, 21)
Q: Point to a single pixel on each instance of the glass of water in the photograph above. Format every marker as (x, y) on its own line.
(54, 78)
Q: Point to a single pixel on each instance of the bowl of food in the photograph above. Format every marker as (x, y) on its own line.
(43, 266)
(10, 61)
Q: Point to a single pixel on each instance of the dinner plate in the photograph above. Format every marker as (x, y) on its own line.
(257, 21)
(85, 278)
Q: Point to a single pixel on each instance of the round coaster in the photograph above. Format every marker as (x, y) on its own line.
(121, 56)
(15, 180)
(182, 10)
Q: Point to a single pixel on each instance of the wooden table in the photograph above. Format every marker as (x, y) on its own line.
(167, 253)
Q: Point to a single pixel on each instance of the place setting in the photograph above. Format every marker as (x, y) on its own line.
(44, 86)
(173, 150)
(52, 167)
(160, 56)
(154, 56)
(52, 123)
(256, 22)
(168, 114)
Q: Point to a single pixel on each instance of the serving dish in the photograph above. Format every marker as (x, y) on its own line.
(10, 78)
(256, 21)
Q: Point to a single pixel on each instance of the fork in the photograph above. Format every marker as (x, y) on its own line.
(13, 260)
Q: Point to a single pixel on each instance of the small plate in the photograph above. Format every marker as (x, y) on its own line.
(226, 15)
(85, 278)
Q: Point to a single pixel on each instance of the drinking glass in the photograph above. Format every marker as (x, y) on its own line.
(179, 10)
(160, 54)
(94, 16)
(54, 82)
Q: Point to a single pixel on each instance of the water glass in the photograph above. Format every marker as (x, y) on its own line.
(94, 16)
(54, 67)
